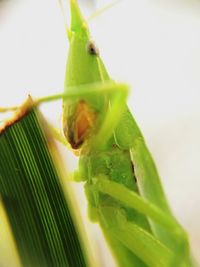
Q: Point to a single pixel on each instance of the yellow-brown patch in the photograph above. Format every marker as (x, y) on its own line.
(84, 120)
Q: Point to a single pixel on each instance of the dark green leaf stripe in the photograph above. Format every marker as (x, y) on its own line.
(34, 200)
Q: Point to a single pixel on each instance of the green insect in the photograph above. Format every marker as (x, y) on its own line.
(122, 185)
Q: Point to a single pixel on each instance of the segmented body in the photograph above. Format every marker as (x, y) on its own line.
(80, 128)
(120, 157)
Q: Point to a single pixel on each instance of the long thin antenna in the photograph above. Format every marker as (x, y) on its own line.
(103, 9)
(60, 2)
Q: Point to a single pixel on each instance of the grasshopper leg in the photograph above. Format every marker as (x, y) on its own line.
(140, 247)
(134, 238)
(133, 200)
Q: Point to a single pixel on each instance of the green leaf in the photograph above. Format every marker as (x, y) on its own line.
(43, 227)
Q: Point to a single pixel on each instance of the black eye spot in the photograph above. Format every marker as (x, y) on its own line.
(92, 49)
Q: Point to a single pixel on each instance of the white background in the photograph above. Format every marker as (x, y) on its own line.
(154, 46)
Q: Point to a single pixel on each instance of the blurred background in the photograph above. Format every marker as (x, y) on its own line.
(152, 45)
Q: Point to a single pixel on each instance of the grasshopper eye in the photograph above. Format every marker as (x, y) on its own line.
(92, 49)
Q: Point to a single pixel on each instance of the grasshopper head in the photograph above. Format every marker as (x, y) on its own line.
(83, 67)
(83, 57)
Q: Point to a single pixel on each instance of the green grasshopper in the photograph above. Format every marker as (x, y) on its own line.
(122, 185)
